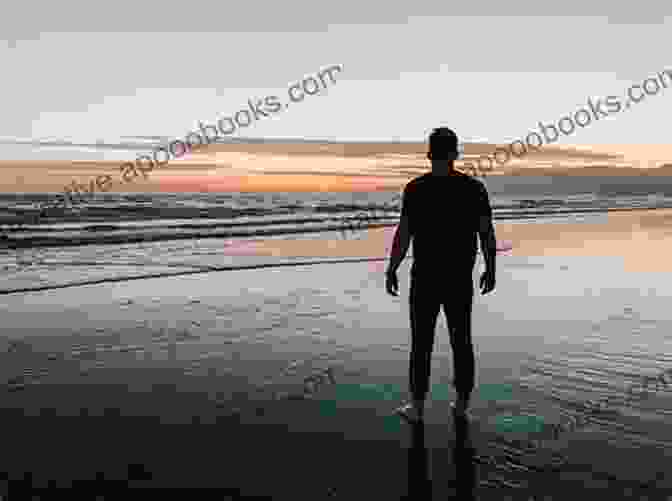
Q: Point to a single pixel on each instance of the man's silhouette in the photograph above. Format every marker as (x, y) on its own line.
(442, 211)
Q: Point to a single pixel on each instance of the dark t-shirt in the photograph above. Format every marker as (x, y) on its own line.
(444, 214)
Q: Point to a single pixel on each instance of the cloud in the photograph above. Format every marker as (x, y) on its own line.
(98, 145)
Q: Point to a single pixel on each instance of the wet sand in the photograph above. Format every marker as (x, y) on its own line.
(282, 382)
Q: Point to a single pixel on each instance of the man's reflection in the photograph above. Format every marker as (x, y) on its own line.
(419, 482)
(462, 484)
(463, 459)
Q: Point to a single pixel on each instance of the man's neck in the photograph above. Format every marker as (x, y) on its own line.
(443, 169)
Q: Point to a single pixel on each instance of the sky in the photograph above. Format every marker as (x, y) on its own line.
(86, 72)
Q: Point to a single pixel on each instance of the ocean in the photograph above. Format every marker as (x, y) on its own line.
(118, 218)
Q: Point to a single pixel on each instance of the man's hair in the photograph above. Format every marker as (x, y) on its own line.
(443, 142)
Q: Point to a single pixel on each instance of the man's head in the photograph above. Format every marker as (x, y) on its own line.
(443, 146)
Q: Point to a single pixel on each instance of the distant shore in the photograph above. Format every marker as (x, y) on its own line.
(249, 164)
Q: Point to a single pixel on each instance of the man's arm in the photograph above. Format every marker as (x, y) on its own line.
(400, 244)
(402, 236)
(486, 233)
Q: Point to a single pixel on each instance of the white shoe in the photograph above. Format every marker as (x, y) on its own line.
(410, 412)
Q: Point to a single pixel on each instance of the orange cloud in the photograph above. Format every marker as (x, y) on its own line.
(270, 182)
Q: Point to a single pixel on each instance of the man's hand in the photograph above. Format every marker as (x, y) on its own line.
(487, 282)
(392, 283)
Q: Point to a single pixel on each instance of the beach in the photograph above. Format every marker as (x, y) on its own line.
(282, 381)
(193, 256)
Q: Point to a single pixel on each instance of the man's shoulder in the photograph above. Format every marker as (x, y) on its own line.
(414, 183)
(480, 185)
(420, 179)
(474, 183)
(425, 179)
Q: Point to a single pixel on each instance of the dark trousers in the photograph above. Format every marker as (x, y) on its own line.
(428, 292)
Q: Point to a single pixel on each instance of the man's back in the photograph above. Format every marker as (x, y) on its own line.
(444, 212)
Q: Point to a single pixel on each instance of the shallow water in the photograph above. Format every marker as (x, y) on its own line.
(557, 334)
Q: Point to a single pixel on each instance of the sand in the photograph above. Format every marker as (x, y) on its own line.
(201, 380)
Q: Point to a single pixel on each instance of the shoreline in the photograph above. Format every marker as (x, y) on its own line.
(623, 235)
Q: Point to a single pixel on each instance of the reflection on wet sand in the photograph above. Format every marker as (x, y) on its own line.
(463, 459)
(462, 484)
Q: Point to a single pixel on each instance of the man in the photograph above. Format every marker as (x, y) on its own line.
(442, 211)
